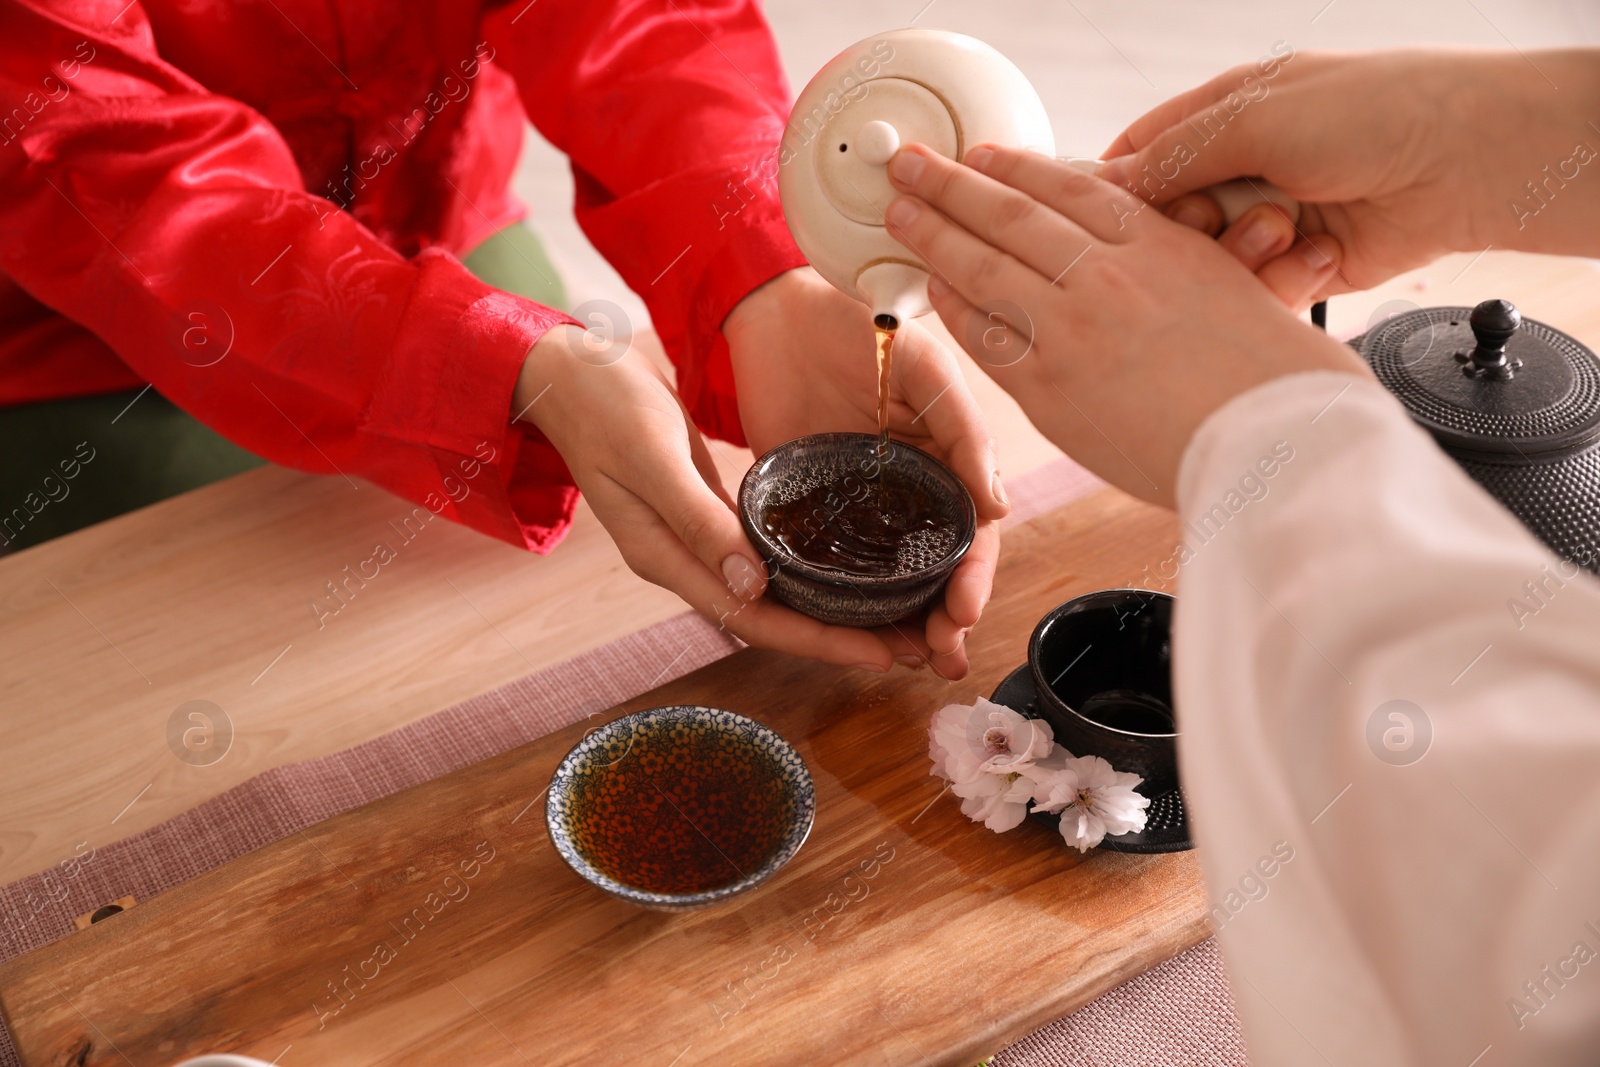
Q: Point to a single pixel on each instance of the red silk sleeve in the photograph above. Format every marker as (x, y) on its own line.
(672, 112)
(174, 224)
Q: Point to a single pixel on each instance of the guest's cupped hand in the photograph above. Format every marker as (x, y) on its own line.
(646, 471)
(804, 361)
(650, 478)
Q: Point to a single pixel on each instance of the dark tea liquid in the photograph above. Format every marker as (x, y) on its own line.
(884, 326)
(683, 809)
(893, 526)
(1130, 709)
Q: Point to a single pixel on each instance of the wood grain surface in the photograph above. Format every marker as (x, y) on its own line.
(207, 596)
(104, 633)
(439, 925)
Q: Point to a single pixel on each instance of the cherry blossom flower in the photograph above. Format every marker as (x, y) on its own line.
(984, 738)
(1094, 800)
(999, 762)
(984, 750)
(999, 801)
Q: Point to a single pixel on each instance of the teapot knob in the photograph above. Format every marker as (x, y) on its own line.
(1493, 323)
(877, 142)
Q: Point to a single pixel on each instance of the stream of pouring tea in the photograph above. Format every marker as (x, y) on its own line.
(884, 326)
(899, 529)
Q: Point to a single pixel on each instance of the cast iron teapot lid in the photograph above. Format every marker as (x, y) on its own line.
(1486, 380)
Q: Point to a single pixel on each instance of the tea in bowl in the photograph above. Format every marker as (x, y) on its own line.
(852, 540)
(680, 807)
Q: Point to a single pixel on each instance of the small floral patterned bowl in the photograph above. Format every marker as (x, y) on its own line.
(680, 807)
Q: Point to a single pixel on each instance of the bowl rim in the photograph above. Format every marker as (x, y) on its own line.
(1086, 601)
(786, 561)
(796, 773)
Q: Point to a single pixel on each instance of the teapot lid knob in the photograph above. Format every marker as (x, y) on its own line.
(1493, 323)
(877, 142)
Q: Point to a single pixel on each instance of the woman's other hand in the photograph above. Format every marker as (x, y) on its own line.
(1399, 156)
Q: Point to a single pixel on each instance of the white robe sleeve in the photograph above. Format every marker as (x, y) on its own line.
(1389, 699)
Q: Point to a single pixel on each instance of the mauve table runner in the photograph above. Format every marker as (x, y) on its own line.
(1178, 1013)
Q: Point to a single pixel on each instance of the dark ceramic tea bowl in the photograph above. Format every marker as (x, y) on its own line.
(809, 487)
(1102, 670)
(679, 807)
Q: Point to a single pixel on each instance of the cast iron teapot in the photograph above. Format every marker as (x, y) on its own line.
(1512, 400)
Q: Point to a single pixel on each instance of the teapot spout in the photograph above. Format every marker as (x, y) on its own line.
(895, 292)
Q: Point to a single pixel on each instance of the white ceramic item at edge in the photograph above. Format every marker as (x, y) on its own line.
(945, 90)
(223, 1060)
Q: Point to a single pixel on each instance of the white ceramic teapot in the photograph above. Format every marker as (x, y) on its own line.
(945, 90)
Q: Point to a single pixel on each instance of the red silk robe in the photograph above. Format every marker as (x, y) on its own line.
(257, 207)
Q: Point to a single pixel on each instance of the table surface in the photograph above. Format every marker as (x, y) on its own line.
(901, 933)
(206, 596)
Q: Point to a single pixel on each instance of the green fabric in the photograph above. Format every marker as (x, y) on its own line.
(124, 450)
(143, 448)
(514, 260)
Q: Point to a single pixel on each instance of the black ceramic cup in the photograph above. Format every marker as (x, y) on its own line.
(1102, 671)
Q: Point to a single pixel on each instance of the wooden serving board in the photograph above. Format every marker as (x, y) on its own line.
(438, 926)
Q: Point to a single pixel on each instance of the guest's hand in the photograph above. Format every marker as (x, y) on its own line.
(804, 361)
(1399, 156)
(645, 470)
(1134, 327)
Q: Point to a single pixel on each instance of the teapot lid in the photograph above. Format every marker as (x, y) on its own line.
(1485, 380)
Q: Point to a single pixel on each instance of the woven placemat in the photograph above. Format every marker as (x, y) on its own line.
(1178, 1013)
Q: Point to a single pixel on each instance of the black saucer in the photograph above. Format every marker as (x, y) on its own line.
(1166, 826)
